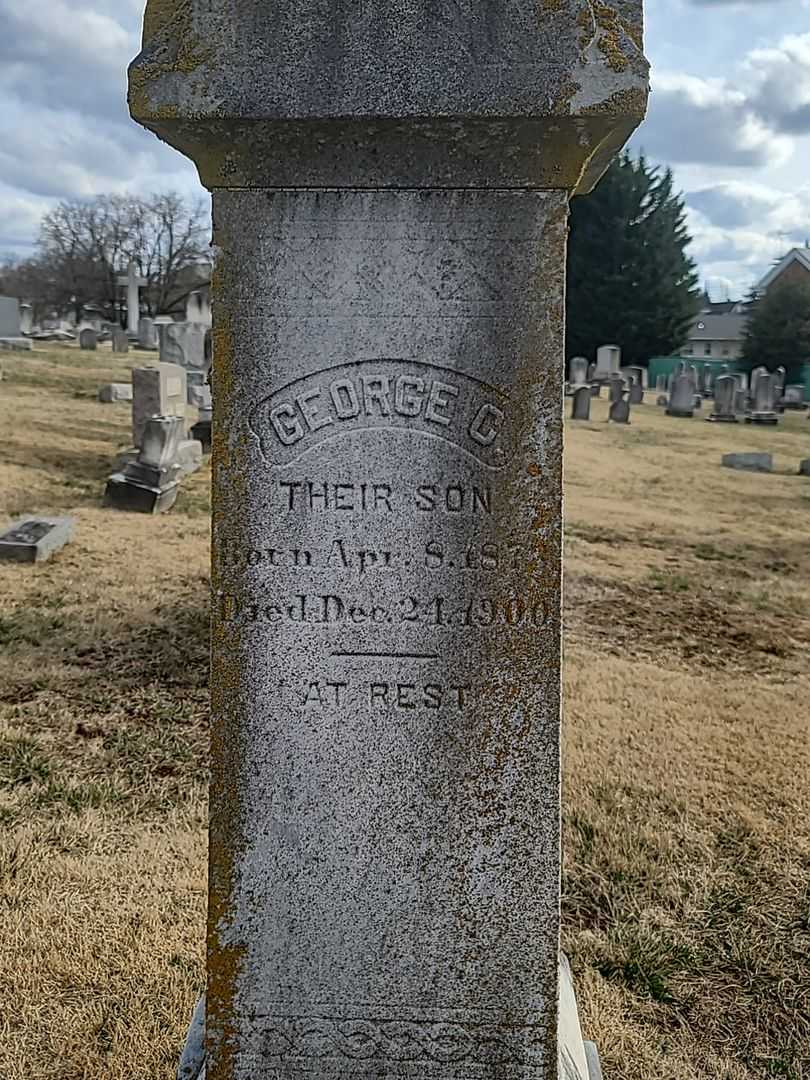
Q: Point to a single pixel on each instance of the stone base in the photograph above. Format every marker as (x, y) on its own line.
(192, 1063)
(122, 494)
(762, 418)
(201, 431)
(16, 344)
(578, 1059)
(124, 458)
(753, 461)
(189, 456)
(685, 414)
(113, 392)
(33, 540)
(719, 418)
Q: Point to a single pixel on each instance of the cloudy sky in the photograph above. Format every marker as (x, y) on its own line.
(730, 112)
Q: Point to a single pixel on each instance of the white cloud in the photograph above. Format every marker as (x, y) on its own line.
(708, 121)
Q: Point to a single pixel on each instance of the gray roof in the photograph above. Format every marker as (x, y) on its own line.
(718, 328)
(799, 255)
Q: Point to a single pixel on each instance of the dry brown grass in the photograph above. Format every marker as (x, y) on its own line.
(103, 716)
(687, 787)
(687, 872)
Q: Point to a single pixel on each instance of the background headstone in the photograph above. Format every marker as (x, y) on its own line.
(578, 370)
(156, 391)
(113, 392)
(682, 395)
(763, 405)
(9, 317)
(120, 340)
(615, 388)
(725, 391)
(149, 484)
(34, 539)
(147, 333)
(608, 361)
(749, 462)
(581, 406)
(619, 411)
(133, 283)
(183, 344)
(88, 339)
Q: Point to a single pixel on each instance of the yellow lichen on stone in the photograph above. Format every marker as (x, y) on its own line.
(587, 24)
(610, 39)
(161, 13)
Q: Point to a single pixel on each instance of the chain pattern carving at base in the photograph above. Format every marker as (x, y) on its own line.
(399, 1041)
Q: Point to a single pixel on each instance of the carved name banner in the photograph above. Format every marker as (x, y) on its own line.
(426, 399)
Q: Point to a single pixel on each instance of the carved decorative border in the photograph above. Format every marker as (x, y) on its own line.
(364, 1039)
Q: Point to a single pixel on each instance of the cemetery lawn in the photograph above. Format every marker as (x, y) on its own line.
(686, 752)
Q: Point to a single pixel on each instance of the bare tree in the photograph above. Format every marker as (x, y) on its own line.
(85, 246)
(169, 243)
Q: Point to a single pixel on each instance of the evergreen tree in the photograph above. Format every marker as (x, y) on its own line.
(778, 330)
(630, 281)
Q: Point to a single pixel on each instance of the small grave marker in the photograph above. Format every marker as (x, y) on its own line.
(33, 540)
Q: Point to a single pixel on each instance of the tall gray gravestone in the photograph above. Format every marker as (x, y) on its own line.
(725, 389)
(390, 191)
(581, 406)
(579, 370)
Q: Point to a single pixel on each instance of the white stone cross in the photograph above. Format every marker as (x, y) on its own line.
(134, 284)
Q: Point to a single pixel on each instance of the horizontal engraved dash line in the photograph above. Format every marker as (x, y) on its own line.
(392, 655)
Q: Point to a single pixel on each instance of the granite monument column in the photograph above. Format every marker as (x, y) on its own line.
(390, 186)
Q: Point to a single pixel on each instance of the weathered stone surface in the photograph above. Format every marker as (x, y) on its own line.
(793, 396)
(88, 339)
(579, 370)
(10, 321)
(113, 392)
(573, 1061)
(682, 395)
(763, 407)
(636, 393)
(133, 283)
(147, 334)
(619, 412)
(202, 432)
(384, 892)
(398, 670)
(199, 396)
(751, 462)
(120, 341)
(615, 388)
(35, 539)
(608, 361)
(183, 343)
(192, 1062)
(157, 391)
(725, 391)
(149, 484)
(329, 95)
(581, 407)
(592, 1057)
(189, 456)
